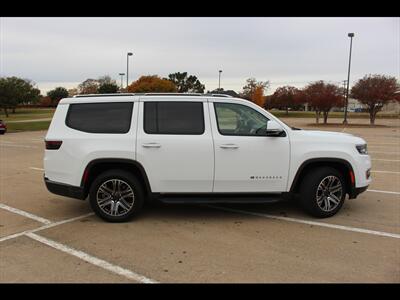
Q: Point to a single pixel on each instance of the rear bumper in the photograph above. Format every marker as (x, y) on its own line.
(65, 190)
(357, 191)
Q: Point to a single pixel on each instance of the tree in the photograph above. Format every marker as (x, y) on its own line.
(89, 86)
(323, 97)
(257, 96)
(284, 98)
(57, 94)
(15, 91)
(251, 87)
(152, 83)
(108, 88)
(225, 92)
(185, 83)
(375, 91)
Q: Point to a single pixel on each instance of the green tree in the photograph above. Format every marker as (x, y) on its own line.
(108, 88)
(15, 91)
(226, 92)
(57, 94)
(185, 83)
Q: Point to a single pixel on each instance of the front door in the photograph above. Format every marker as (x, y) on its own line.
(246, 161)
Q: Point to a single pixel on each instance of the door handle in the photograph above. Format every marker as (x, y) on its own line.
(229, 146)
(151, 145)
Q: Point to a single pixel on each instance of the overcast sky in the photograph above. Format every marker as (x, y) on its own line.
(285, 51)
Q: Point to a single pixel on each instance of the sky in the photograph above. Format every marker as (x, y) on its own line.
(285, 51)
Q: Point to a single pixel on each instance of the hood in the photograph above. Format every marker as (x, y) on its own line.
(330, 136)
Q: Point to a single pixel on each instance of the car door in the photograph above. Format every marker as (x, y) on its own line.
(174, 144)
(246, 161)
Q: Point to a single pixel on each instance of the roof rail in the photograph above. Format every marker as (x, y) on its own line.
(104, 95)
(150, 94)
(173, 94)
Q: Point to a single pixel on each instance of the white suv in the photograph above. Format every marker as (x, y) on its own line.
(121, 150)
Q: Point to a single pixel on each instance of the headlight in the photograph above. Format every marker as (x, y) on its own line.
(362, 149)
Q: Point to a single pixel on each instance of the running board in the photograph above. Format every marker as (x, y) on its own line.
(209, 198)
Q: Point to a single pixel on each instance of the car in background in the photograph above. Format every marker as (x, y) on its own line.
(3, 127)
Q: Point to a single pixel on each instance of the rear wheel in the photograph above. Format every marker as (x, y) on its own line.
(116, 196)
(322, 192)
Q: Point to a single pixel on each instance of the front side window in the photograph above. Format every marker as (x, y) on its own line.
(100, 117)
(169, 117)
(238, 119)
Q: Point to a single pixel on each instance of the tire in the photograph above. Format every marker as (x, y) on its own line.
(116, 196)
(322, 192)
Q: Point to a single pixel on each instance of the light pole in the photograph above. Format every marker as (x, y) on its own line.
(344, 93)
(122, 76)
(350, 35)
(219, 80)
(127, 68)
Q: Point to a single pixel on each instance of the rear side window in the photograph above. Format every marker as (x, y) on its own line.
(173, 117)
(100, 117)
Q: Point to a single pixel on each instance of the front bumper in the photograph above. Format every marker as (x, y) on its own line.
(357, 191)
(65, 190)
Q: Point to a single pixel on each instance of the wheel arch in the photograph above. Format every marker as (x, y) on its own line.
(339, 164)
(98, 166)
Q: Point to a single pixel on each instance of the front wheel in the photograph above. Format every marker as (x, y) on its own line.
(116, 196)
(322, 192)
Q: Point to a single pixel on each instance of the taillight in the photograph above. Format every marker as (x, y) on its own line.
(53, 145)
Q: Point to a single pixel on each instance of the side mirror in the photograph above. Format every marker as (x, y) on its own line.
(274, 129)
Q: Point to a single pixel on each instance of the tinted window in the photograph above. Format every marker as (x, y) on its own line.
(100, 117)
(237, 119)
(173, 117)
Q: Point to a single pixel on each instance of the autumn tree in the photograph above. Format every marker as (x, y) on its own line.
(185, 83)
(152, 84)
(253, 86)
(257, 96)
(15, 91)
(375, 91)
(57, 94)
(323, 97)
(284, 98)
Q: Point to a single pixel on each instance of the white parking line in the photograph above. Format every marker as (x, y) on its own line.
(91, 259)
(384, 192)
(14, 145)
(321, 224)
(37, 169)
(380, 171)
(25, 214)
(15, 235)
(383, 144)
(385, 159)
(383, 152)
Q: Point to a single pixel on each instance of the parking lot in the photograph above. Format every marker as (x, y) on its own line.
(49, 238)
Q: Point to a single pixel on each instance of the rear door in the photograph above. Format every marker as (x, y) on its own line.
(174, 144)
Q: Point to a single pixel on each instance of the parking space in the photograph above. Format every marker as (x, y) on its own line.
(49, 238)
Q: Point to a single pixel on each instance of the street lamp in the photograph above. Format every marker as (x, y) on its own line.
(350, 35)
(122, 76)
(219, 80)
(127, 68)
